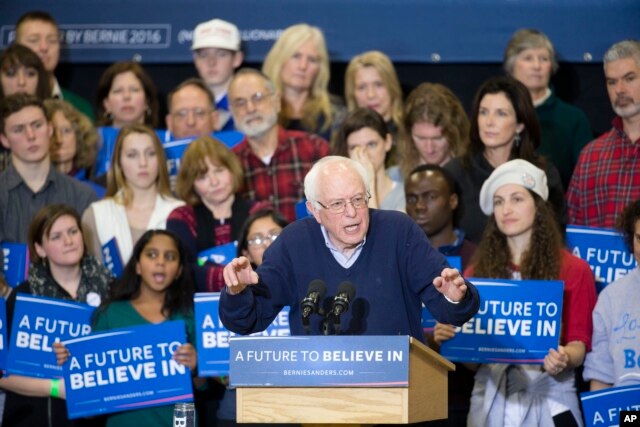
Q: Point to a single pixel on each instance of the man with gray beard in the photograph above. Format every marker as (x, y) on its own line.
(275, 160)
(607, 176)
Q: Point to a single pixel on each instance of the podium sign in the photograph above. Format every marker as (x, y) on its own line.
(319, 361)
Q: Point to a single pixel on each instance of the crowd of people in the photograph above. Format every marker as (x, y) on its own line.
(274, 161)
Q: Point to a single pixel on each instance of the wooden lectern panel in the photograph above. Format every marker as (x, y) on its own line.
(424, 399)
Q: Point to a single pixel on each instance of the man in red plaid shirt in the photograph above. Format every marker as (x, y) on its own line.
(607, 176)
(275, 160)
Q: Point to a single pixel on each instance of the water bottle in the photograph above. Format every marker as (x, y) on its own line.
(184, 415)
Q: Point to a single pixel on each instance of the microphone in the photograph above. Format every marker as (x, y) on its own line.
(315, 294)
(346, 292)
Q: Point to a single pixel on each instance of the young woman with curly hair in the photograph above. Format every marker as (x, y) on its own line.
(522, 241)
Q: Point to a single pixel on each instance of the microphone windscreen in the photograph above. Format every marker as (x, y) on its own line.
(317, 286)
(347, 288)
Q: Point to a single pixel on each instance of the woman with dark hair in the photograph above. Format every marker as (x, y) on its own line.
(607, 363)
(364, 137)
(258, 232)
(62, 269)
(504, 127)
(208, 181)
(522, 242)
(127, 96)
(138, 195)
(22, 71)
(155, 287)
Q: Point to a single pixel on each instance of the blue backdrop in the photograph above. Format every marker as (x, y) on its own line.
(447, 31)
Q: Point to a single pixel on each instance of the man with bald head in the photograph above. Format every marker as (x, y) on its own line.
(275, 160)
(383, 253)
(191, 111)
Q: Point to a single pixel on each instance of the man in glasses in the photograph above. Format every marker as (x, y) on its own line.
(191, 111)
(275, 160)
(384, 254)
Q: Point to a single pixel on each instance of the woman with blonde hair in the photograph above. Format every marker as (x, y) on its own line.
(530, 58)
(436, 127)
(371, 81)
(298, 66)
(138, 195)
(208, 181)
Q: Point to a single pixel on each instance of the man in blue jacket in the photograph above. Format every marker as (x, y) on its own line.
(384, 254)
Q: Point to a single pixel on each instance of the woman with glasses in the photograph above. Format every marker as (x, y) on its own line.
(258, 232)
(210, 176)
(73, 144)
(364, 137)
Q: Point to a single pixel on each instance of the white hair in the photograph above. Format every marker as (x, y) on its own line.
(622, 50)
(311, 189)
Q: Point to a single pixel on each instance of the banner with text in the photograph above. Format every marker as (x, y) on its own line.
(126, 368)
(37, 323)
(111, 257)
(213, 337)
(220, 255)
(320, 361)
(518, 321)
(602, 408)
(604, 250)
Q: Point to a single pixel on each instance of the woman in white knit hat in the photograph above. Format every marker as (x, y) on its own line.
(522, 241)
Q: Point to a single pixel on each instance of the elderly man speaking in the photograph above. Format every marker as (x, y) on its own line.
(386, 258)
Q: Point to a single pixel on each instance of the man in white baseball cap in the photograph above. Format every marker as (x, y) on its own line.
(216, 54)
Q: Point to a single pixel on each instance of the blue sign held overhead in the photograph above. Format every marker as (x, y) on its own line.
(518, 321)
(125, 369)
(604, 250)
(38, 322)
(213, 338)
(320, 361)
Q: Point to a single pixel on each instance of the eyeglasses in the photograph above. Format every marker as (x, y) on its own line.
(259, 239)
(198, 113)
(257, 98)
(338, 206)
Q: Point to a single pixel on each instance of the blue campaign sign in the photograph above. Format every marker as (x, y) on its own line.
(320, 361)
(127, 368)
(16, 262)
(220, 255)
(38, 322)
(428, 322)
(604, 251)
(301, 209)
(518, 322)
(602, 408)
(174, 151)
(3, 334)
(111, 257)
(213, 337)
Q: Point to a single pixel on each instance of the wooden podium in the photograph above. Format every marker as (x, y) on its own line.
(424, 399)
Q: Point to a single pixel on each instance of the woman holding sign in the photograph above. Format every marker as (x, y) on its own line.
(522, 241)
(138, 195)
(209, 177)
(155, 287)
(60, 268)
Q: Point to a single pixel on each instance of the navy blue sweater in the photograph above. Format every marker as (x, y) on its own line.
(392, 275)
